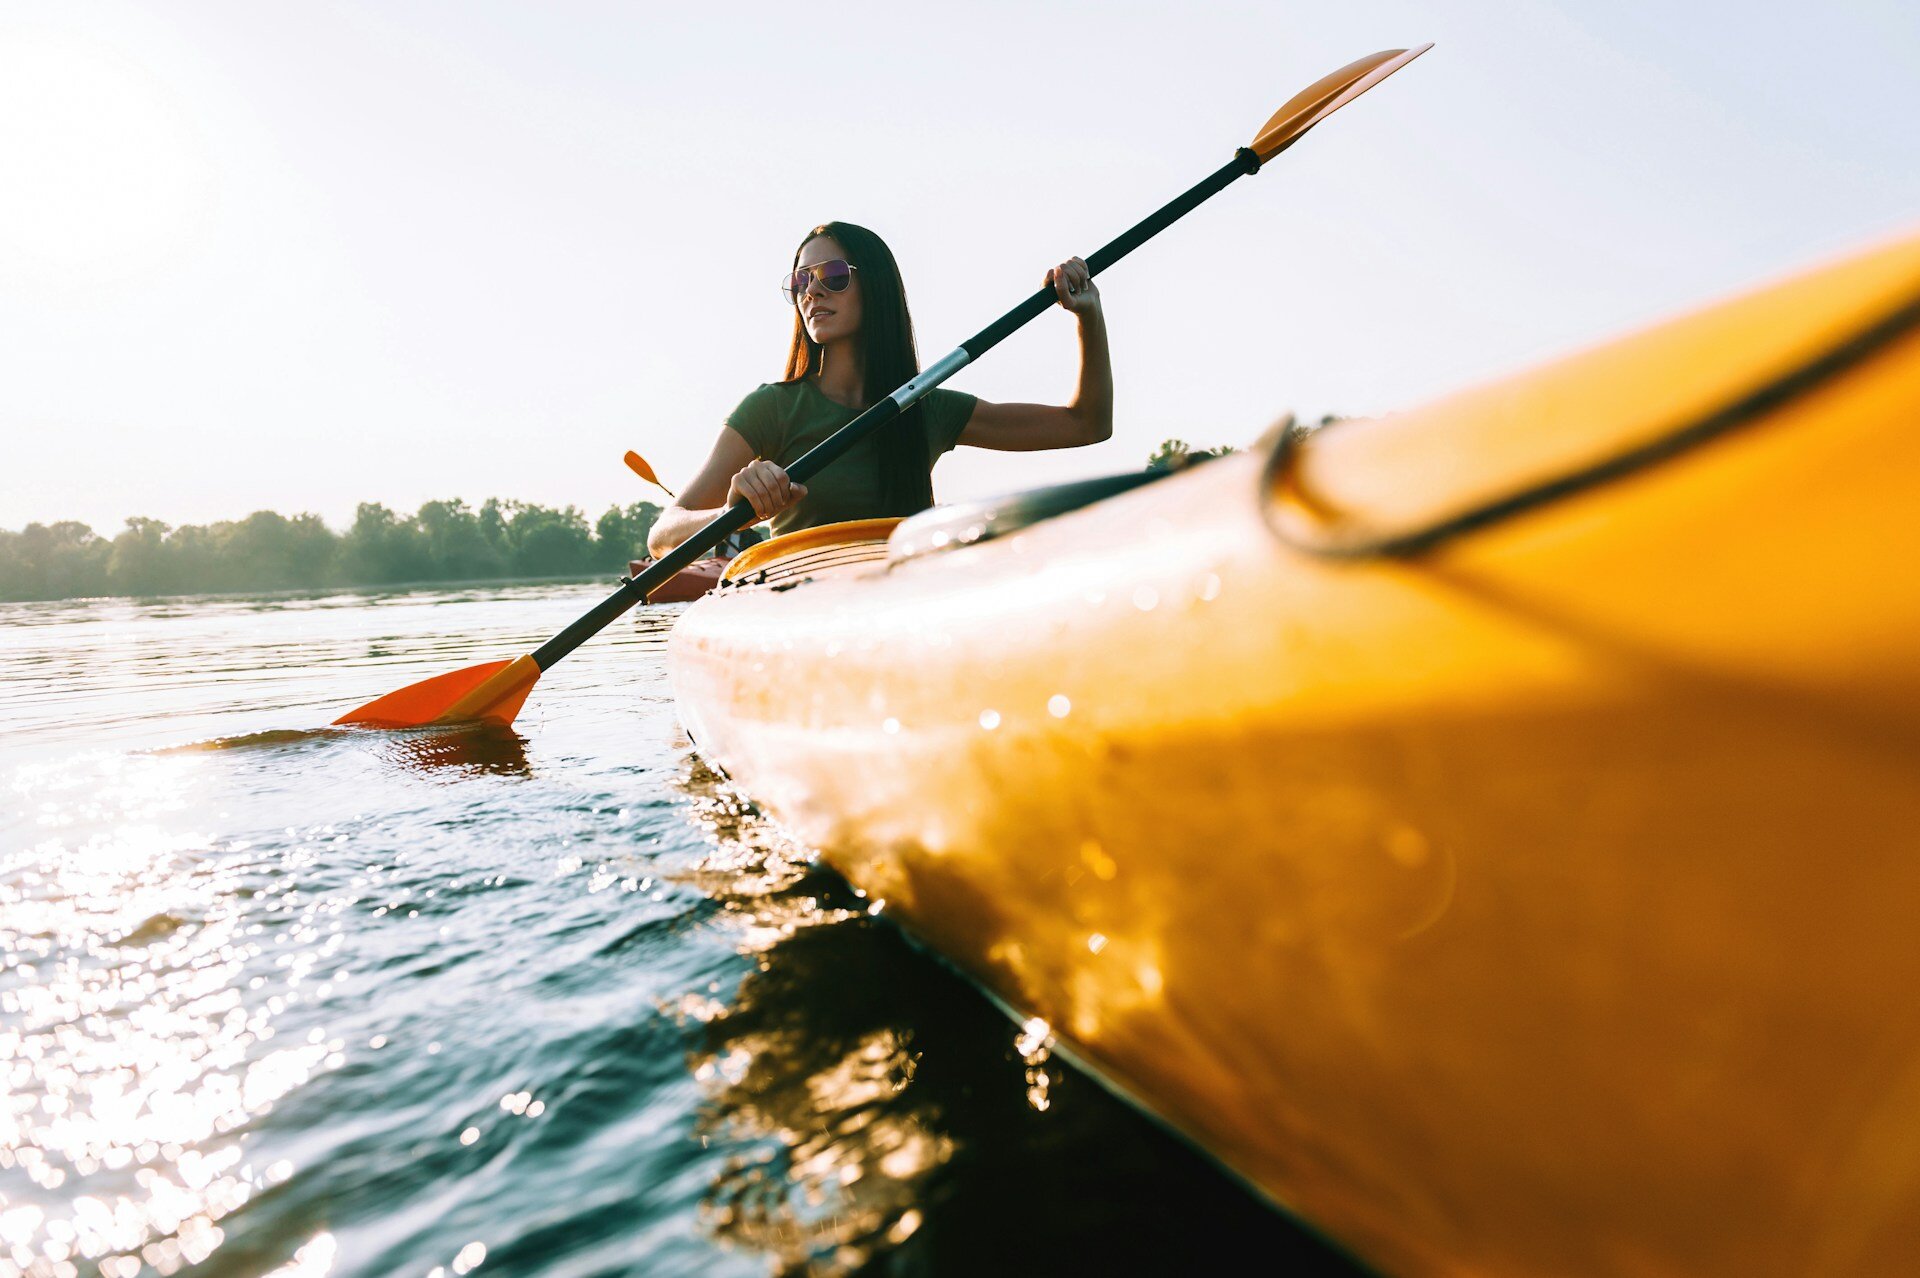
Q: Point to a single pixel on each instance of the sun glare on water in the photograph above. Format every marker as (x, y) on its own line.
(101, 174)
(130, 1059)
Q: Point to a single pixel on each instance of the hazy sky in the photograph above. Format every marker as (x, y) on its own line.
(296, 257)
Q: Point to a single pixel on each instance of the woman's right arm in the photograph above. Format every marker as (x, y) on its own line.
(731, 473)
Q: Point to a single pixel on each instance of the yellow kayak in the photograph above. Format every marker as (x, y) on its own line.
(1492, 830)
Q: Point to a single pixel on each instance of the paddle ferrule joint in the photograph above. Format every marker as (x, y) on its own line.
(931, 376)
(1250, 159)
(498, 698)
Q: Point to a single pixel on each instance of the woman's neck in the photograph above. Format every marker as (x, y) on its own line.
(843, 376)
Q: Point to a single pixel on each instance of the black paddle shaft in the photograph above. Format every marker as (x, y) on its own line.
(739, 515)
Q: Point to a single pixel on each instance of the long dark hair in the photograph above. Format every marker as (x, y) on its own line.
(886, 343)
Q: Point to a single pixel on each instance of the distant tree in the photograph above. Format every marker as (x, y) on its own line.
(268, 551)
(193, 560)
(621, 535)
(495, 518)
(63, 560)
(13, 576)
(312, 549)
(550, 543)
(141, 562)
(382, 548)
(442, 541)
(1173, 454)
(458, 547)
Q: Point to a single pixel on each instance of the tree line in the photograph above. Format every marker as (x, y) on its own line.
(1178, 454)
(442, 541)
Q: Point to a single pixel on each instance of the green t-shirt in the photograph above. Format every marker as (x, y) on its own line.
(782, 420)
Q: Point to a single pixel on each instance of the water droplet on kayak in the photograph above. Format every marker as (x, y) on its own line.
(1058, 706)
(1096, 943)
(1146, 598)
(1407, 846)
(889, 726)
(1210, 587)
(989, 719)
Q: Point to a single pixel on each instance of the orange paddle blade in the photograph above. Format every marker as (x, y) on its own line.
(492, 691)
(638, 464)
(1325, 96)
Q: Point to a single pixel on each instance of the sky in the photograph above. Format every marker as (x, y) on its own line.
(298, 257)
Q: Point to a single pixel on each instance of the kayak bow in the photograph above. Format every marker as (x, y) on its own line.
(1490, 829)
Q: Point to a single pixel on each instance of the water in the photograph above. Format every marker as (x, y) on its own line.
(282, 999)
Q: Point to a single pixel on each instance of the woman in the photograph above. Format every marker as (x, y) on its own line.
(853, 346)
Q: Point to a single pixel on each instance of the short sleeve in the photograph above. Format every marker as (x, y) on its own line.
(946, 413)
(756, 422)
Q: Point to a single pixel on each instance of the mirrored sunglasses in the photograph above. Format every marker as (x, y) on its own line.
(834, 276)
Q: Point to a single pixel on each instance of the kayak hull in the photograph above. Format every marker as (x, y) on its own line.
(696, 579)
(1541, 903)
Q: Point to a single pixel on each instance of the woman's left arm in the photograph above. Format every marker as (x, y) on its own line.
(1088, 417)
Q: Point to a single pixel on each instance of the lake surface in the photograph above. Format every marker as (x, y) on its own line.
(284, 999)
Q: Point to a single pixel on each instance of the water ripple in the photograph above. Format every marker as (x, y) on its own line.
(282, 998)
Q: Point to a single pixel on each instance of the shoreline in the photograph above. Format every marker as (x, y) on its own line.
(316, 592)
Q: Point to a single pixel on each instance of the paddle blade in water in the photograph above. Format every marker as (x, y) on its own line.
(639, 466)
(1323, 97)
(493, 691)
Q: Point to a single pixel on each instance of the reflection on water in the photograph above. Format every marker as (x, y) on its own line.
(455, 750)
(837, 1142)
(453, 753)
(894, 1121)
(282, 998)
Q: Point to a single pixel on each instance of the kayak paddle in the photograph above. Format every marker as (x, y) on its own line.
(496, 690)
(638, 465)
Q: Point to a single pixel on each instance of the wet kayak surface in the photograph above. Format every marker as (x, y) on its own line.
(279, 998)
